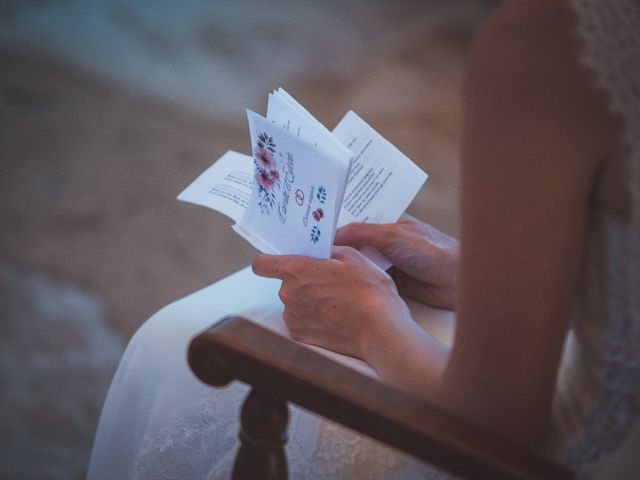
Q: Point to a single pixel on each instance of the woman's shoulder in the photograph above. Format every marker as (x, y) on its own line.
(525, 67)
(519, 22)
(527, 36)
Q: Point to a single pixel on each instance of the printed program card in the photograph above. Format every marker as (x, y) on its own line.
(296, 198)
(302, 181)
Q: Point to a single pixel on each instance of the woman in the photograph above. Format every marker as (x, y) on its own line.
(550, 244)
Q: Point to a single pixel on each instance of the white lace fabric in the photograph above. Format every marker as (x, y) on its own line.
(597, 399)
(597, 404)
(610, 34)
(203, 445)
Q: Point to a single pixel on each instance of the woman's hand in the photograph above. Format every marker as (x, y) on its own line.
(343, 304)
(425, 259)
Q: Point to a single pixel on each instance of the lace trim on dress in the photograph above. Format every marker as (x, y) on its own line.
(204, 446)
(610, 33)
(200, 446)
(618, 406)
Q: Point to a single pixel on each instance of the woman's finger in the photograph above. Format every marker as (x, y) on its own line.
(339, 252)
(361, 234)
(270, 266)
(283, 266)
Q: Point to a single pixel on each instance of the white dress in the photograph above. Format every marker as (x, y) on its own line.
(159, 422)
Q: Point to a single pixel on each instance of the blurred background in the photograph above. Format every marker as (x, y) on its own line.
(109, 108)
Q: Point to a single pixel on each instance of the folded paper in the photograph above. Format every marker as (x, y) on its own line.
(303, 181)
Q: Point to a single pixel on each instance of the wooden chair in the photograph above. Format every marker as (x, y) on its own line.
(279, 371)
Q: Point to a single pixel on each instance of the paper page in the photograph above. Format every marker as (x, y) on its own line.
(225, 186)
(294, 205)
(312, 181)
(282, 93)
(281, 111)
(255, 240)
(285, 111)
(382, 182)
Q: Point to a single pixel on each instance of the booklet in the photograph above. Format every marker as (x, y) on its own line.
(304, 181)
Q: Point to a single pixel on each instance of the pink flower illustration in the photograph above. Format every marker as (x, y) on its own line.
(266, 172)
(264, 179)
(318, 214)
(265, 159)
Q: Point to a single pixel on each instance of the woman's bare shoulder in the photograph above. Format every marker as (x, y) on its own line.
(528, 23)
(526, 39)
(525, 58)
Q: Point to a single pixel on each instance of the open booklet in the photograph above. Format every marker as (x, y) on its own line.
(304, 181)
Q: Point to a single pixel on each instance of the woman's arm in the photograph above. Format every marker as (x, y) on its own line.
(534, 136)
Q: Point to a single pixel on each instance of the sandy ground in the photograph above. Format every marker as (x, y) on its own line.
(92, 156)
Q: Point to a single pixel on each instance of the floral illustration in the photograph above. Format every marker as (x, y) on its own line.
(266, 172)
(315, 234)
(264, 179)
(322, 194)
(265, 159)
(318, 214)
(265, 141)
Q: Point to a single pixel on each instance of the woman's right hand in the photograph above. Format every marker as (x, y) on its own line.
(425, 259)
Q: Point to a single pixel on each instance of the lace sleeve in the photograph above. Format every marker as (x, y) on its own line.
(610, 33)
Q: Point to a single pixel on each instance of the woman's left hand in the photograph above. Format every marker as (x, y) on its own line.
(342, 304)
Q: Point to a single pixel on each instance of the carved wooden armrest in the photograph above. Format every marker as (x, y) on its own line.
(281, 370)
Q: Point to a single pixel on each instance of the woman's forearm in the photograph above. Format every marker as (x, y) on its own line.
(407, 357)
